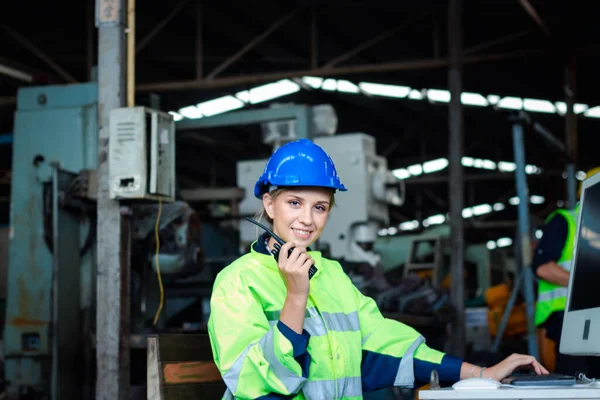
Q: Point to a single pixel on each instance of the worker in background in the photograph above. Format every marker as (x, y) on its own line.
(551, 264)
(277, 333)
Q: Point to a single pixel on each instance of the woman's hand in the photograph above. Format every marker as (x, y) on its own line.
(294, 270)
(512, 362)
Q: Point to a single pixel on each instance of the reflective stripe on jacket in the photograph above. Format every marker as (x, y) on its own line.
(256, 358)
(553, 297)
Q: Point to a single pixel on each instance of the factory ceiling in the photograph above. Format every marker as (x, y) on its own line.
(512, 49)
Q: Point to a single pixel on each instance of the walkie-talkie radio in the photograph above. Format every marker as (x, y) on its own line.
(312, 270)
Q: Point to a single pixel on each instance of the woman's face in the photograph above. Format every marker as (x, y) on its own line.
(300, 214)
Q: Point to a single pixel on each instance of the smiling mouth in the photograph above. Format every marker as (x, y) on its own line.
(302, 232)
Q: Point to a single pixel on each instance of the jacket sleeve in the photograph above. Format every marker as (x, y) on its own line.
(394, 354)
(255, 359)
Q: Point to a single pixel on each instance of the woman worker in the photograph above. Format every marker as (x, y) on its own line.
(276, 333)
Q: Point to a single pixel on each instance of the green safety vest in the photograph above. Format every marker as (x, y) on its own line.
(553, 297)
(256, 359)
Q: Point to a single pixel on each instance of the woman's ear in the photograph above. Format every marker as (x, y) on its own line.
(268, 205)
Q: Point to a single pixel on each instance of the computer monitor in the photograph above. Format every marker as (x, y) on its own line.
(581, 324)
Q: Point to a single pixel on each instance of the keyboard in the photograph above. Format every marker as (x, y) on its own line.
(540, 380)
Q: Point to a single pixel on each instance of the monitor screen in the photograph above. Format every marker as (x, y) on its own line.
(586, 267)
(581, 324)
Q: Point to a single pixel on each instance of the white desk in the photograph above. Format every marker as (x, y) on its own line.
(507, 393)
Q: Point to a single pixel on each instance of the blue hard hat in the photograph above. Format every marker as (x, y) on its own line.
(298, 163)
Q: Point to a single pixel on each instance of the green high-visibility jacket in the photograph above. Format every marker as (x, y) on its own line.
(347, 346)
(551, 297)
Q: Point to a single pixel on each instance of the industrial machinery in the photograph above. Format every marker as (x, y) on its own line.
(363, 210)
(50, 305)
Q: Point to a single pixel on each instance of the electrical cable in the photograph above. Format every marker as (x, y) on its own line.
(160, 284)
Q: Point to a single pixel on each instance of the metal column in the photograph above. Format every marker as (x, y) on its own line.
(112, 328)
(571, 130)
(524, 235)
(456, 184)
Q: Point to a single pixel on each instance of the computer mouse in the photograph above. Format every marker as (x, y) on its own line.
(476, 384)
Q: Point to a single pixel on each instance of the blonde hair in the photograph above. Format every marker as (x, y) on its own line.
(274, 194)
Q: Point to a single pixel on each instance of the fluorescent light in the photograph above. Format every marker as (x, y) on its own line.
(593, 112)
(473, 99)
(538, 106)
(176, 116)
(478, 163)
(415, 170)
(415, 95)
(329, 84)
(483, 164)
(467, 161)
(513, 201)
(435, 219)
(435, 165)
(532, 170)
(580, 175)
(392, 231)
(482, 209)
(578, 108)
(379, 89)
(467, 213)
(504, 242)
(493, 99)
(401, 173)
(506, 166)
(219, 105)
(488, 164)
(269, 91)
(191, 112)
(409, 225)
(535, 199)
(491, 245)
(511, 103)
(498, 206)
(313, 81)
(442, 96)
(383, 232)
(539, 234)
(15, 73)
(561, 107)
(347, 87)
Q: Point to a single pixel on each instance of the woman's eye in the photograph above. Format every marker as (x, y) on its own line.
(321, 208)
(294, 203)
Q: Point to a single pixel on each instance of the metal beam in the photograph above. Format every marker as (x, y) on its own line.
(314, 38)
(113, 233)
(8, 101)
(160, 26)
(524, 236)
(571, 128)
(490, 224)
(89, 37)
(302, 115)
(379, 38)
(210, 194)
(488, 176)
(39, 53)
(199, 41)
(253, 43)
(538, 20)
(501, 40)
(456, 184)
(408, 65)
